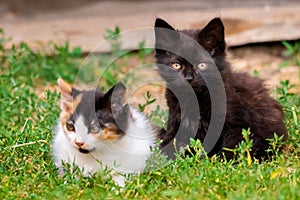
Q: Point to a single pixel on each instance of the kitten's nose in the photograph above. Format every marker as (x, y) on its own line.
(189, 78)
(79, 144)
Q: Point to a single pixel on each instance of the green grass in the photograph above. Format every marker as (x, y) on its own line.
(27, 170)
(292, 52)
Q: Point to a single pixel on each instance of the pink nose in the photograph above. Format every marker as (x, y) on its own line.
(79, 144)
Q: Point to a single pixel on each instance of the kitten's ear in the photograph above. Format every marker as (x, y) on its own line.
(114, 99)
(165, 36)
(212, 38)
(67, 94)
(160, 23)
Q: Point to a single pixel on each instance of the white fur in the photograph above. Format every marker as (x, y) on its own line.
(127, 154)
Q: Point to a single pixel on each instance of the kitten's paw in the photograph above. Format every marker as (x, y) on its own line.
(60, 173)
(119, 179)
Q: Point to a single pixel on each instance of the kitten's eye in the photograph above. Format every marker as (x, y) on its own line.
(95, 130)
(176, 66)
(202, 66)
(70, 126)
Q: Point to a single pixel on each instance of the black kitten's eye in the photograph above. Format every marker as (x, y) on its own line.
(70, 126)
(202, 66)
(176, 66)
(95, 129)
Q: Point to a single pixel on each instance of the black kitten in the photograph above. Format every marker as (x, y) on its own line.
(248, 103)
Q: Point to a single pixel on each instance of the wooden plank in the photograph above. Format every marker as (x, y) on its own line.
(243, 25)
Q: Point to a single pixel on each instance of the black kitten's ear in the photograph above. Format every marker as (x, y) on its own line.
(212, 38)
(114, 99)
(68, 93)
(165, 36)
(160, 23)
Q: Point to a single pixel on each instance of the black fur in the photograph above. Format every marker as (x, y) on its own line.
(248, 102)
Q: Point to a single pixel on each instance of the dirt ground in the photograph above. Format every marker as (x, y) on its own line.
(265, 59)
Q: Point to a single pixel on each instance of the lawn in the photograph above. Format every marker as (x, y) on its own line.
(29, 113)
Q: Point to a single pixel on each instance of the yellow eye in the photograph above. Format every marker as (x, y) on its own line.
(176, 66)
(202, 66)
(70, 126)
(95, 130)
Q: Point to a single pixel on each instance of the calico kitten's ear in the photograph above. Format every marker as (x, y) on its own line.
(165, 36)
(114, 99)
(67, 95)
(212, 38)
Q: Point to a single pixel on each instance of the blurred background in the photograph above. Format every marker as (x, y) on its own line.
(254, 29)
(83, 22)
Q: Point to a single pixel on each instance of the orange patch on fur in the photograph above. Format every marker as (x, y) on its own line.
(111, 132)
(69, 109)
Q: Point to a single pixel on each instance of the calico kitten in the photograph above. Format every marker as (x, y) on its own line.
(97, 129)
(248, 103)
